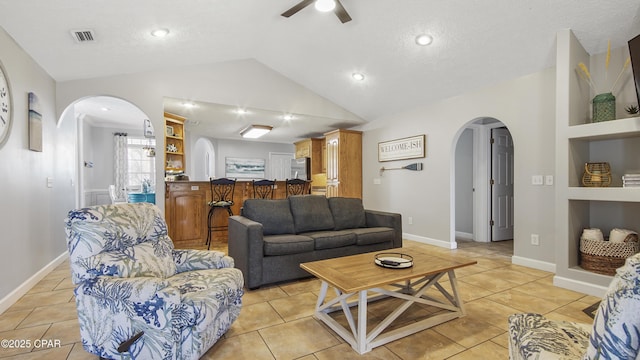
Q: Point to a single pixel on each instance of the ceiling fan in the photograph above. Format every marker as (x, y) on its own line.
(334, 5)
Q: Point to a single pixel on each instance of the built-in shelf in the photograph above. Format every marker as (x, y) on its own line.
(604, 194)
(605, 130)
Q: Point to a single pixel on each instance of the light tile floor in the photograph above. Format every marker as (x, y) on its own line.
(277, 322)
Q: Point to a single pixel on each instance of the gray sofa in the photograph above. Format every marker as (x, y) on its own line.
(271, 238)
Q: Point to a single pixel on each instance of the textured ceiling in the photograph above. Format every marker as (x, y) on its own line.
(476, 43)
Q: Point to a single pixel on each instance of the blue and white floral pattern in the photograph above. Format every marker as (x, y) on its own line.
(129, 279)
(614, 335)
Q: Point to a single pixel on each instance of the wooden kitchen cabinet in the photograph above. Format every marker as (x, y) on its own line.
(344, 163)
(311, 148)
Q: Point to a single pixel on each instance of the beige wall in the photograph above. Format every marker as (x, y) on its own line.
(31, 214)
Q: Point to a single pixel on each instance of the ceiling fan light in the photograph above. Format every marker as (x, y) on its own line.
(255, 131)
(325, 5)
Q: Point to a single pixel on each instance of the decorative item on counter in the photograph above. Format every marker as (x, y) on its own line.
(172, 148)
(596, 174)
(631, 179)
(604, 103)
(604, 257)
(632, 110)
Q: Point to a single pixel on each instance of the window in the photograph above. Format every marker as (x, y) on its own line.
(140, 164)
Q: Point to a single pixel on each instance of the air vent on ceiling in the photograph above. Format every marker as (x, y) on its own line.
(83, 36)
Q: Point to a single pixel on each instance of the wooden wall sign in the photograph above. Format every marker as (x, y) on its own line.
(400, 149)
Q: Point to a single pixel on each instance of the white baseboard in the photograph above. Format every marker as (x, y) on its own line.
(535, 264)
(18, 292)
(430, 241)
(580, 286)
(464, 235)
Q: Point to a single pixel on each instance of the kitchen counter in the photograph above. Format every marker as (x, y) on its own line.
(186, 211)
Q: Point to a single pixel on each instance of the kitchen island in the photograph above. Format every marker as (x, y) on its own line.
(186, 211)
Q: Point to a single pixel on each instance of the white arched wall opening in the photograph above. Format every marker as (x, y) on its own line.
(481, 174)
(132, 121)
(203, 163)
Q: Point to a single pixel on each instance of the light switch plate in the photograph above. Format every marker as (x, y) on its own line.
(49, 182)
(536, 180)
(548, 180)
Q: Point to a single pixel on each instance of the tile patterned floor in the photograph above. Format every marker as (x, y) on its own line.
(277, 322)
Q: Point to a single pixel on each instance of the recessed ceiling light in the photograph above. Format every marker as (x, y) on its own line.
(287, 117)
(325, 5)
(160, 32)
(241, 111)
(357, 76)
(424, 39)
(189, 105)
(104, 108)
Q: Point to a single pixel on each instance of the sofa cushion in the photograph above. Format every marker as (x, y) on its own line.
(287, 244)
(348, 213)
(310, 213)
(274, 215)
(374, 235)
(332, 239)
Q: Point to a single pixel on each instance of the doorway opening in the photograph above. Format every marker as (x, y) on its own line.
(482, 178)
(98, 118)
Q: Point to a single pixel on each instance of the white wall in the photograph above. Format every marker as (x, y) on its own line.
(247, 149)
(464, 183)
(32, 214)
(525, 105)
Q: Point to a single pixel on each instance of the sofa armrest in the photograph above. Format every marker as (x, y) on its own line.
(386, 219)
(246, 248)
(189, 260)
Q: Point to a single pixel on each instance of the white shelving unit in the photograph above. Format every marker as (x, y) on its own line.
(579, 141)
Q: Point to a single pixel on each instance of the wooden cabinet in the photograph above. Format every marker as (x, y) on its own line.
(186, 212)
(344, 163)
(175, 159)
(311, 148)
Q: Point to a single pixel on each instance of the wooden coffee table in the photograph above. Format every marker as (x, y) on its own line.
(358, 274)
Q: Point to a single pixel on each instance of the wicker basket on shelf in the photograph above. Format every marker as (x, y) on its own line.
(604, 257)
(596, 174)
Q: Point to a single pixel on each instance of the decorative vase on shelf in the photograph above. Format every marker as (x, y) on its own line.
(604, 107)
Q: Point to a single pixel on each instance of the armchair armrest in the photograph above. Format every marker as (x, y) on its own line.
(387, 219)
(246, 248)
(189, 260)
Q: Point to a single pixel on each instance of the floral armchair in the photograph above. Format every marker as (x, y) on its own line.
(614, 335)
(139, 298)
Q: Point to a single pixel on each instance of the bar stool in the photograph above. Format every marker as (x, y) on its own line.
(297, 187)
(263, 189)
(221, 198)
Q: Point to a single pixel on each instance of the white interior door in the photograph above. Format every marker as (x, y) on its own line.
(502, 185)
(280, 165)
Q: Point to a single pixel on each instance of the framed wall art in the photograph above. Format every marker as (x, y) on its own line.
(35, 123)
(248, 168)
(400, 149)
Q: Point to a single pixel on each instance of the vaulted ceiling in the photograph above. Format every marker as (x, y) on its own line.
(475, 43)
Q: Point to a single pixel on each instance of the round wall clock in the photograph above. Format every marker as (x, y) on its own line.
(5, 106)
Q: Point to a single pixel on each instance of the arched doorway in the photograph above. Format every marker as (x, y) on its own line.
(482, 182)
(203, 163)
(97, 119)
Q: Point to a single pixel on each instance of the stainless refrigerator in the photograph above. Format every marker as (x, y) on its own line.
(301, 168)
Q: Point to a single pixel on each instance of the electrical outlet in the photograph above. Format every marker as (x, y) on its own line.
(535, 239)
(377, 181)
(548, 180)
(410, 220)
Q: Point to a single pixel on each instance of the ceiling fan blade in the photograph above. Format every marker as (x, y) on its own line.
(299, 6)
(341, 12)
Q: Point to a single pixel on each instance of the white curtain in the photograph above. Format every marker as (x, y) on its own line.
(120, 164)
